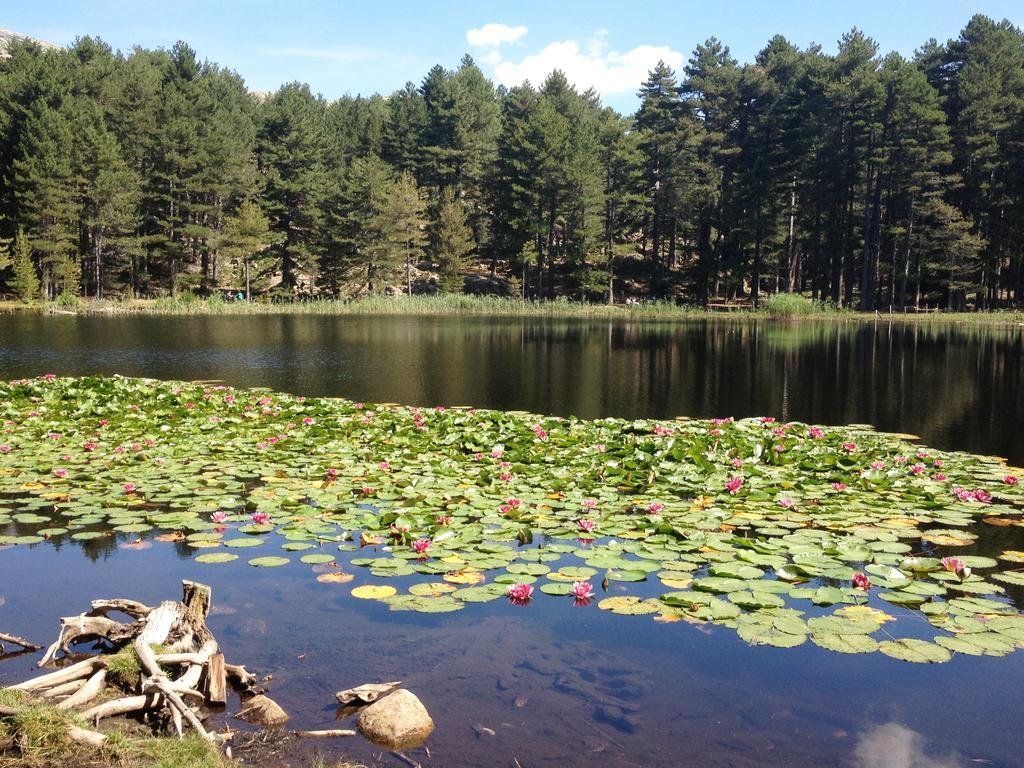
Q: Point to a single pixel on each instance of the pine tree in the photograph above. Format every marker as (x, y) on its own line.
(290, 154)
(406, 121)
(404, 215)
(442, 157)
(45, 188)
(25, 282)
(375, 222)
(658, 125)
(243, 242)
(109, 196)
(451, 241)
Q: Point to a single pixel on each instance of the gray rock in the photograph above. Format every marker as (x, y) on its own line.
(262, 710)
(397, 721)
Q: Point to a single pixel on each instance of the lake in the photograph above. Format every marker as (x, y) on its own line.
(551, 684)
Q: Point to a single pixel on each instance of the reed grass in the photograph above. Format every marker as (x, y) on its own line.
(779, 306)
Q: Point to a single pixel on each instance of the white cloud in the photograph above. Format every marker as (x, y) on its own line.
(493, 35)
(591, 65)
(333, 53)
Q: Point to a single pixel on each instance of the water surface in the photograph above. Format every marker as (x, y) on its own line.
(559, 685)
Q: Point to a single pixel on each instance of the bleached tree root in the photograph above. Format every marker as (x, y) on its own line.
(173, 686)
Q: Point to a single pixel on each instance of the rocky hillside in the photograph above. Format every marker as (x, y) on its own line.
(7, 37)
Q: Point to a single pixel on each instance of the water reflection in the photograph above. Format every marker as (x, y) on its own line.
(959, 388)
(895, 746)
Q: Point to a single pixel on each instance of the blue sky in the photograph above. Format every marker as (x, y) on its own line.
(365, 47)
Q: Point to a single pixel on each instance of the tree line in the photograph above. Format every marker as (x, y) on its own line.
(865, 180)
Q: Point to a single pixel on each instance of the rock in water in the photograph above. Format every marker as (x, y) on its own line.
(398, 721)
(261, 710)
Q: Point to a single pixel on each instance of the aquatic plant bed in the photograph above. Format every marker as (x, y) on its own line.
(786, 533)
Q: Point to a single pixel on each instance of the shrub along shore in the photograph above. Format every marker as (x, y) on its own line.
(779, 306)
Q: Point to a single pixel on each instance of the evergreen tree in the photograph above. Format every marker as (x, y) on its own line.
(406, 121)
(243, 242)
(404, 213)
(25, 282)
(45, 189)
(451, 241)
(290, 155)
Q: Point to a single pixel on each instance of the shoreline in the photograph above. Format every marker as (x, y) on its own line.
(505, 307)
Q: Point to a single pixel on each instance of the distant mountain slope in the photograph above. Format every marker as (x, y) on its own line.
(7, 37)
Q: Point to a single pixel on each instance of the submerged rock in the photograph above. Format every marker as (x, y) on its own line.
(262, 710)
(397, 721)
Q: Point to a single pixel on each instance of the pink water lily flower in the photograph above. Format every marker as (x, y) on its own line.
(839, 487)
(519, 593)
(219, 517)
(260, 518)
(590, 503)
(878, 466)
(733, 484)
(384, 465)
(736, 462)
(444, 519)
(540, 432)
(962, 493)
(849, 447)
(786, 503)
(130, 487)
(939, 476)
(816, 433)
(309, 420)
(767, 419)
(582, 590)
(982, 496)
(497, 453)
(917, 469)
(655, 507)
(952, 564)
(420, 546)
(1010, 480)
(861, 581)
(60, 473)
(957, 566)
(587, 524)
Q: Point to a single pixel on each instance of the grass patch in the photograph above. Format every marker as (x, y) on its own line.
(190, 752)
(38, 734)
(124, 669)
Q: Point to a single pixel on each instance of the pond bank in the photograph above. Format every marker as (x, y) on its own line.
(659, 311)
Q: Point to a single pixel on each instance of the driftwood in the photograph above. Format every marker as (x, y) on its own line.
(366, 694)
(327, 734)
(198, 673)
(19, 641)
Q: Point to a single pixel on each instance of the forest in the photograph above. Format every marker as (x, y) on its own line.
(861, 179)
